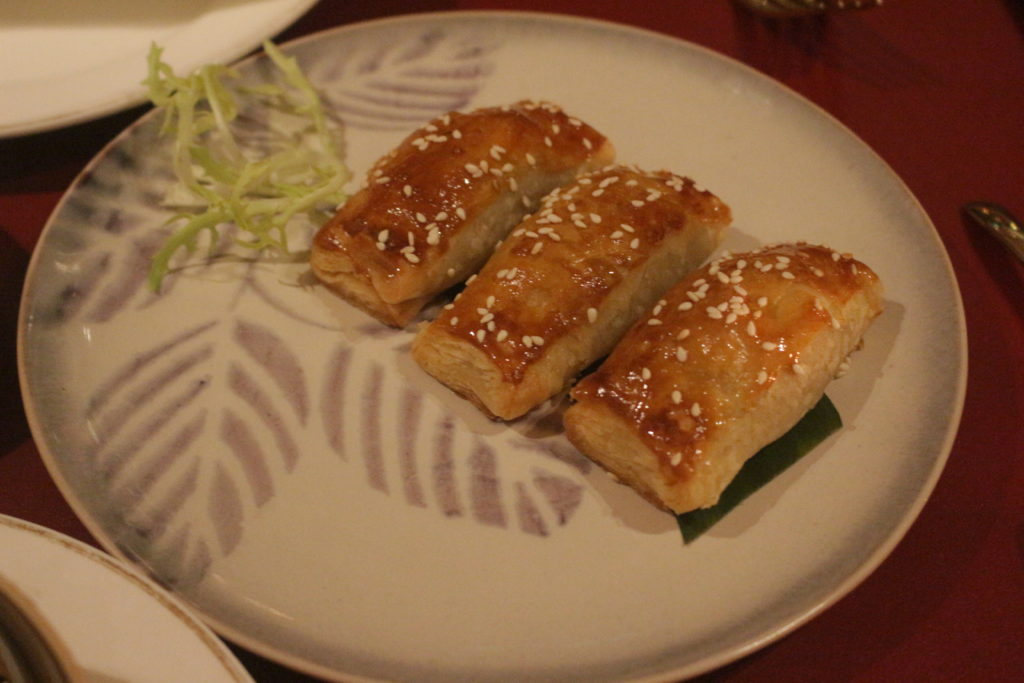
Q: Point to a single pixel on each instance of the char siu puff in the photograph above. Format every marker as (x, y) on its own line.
(567, 283)
(729, 361)
(433, 209)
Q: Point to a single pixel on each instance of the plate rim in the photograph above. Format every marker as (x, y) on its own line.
(131, 574)
(700, 665)
(127, 96)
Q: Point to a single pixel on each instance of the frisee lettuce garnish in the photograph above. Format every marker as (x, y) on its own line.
(816, 426)
(295, 168)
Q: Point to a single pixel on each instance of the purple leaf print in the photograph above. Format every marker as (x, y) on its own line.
(191, 436)
(399, 85)
(409, 445)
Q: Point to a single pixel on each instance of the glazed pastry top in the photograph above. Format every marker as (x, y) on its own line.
(550, 276)
(717, 342)
(443, 176)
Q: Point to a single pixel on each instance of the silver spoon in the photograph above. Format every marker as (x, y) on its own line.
(1000, 222)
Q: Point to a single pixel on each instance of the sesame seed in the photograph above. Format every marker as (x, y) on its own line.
(714, 313)
(481, 335)
(537, 341)
(457, 134)
(685, 306)
(677, 457)
(627, 227)
(530, 159)
(449, 307)
(491, 326)
(381, 246)
(451, 272)
(502, 335)
(407, 190)
(762, 301)
(616, 235)
(681, 354)
(751, 328)
(645, 373)
(677, 397)
(731, 318)
(835, 256)
(547, 141)
(769, 346)
(722, 277)
(441, 216)
(470, 278)
(382, 236)
(502, 273)
(657, 309)
(818, 271)
(695, 410)
(537, 247)
(486, 318)
(587, 143)
(762, 377)
(490, 301)
(595, 218)
(637, 202)
(382, 180)
(799, 369)
(411, 238)
(592, 315)
(461, 213)
(653, 321)
(635, 243)
(683, 334)
(454, 321)
(788, 275)
(411, 257)
(482, 311)
(528, 341)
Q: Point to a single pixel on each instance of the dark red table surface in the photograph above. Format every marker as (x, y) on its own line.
(936, 87)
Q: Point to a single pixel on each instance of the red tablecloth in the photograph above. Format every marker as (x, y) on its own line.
(936, 87)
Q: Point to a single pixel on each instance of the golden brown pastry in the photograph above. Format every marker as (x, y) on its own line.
(567, 283)
(434, 208)
(729, 361)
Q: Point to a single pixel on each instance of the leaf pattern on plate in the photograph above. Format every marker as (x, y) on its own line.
(199, 427)
(433, 461)
(190, 438)
(399, 85)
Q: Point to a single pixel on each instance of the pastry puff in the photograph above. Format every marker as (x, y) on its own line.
(567, 283)
(434, 208)
(729, 361)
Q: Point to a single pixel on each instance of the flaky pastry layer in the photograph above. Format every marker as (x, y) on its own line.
(728, 362)
(433, 209)
(567, 283)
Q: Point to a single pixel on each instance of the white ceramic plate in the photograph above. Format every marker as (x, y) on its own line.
(114, 624)
(277, 458)
(67, 61)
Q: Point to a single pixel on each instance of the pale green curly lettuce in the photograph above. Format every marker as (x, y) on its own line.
(299, 169)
